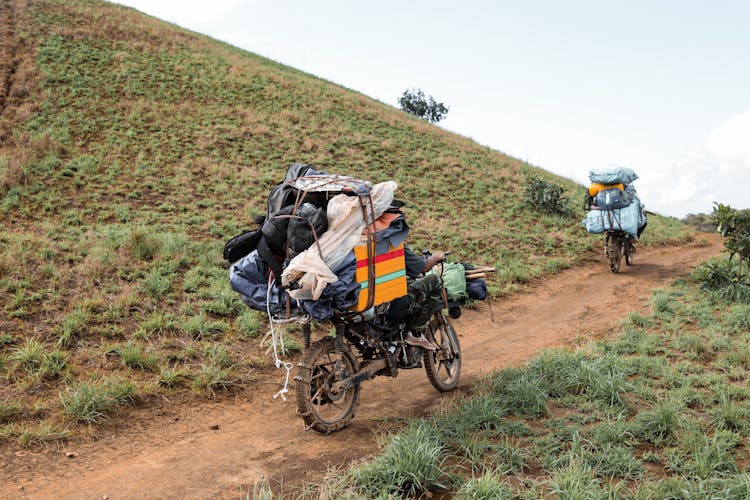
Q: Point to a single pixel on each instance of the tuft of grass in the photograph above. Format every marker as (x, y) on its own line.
(45, 432)
(135, 356)
(575, 481)
(614, 432)
(37, 362)
(9, 410)
(702, 457)
(521, 393)
(411, 464)
(159, 323)
(213, 378)
(73, 326)
(248, 323)
(486, 487)
(171, 377)
(91, 401)
(143, 243)
(156, 284)
(200, 327)
(660, 424)
(30, 356)
(729, 415)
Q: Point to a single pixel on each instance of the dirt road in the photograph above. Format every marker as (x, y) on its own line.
(220, 449)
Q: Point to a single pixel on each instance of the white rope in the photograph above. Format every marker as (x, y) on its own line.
(279, 362)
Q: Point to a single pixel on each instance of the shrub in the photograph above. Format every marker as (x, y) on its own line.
(546, 196)
(415, 102)
(734, 226)
(701, 222)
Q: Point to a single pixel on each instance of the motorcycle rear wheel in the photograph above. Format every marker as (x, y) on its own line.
(614, 252)
(443, 366)
(321, 408)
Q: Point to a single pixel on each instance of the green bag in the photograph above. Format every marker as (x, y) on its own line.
(454, 279)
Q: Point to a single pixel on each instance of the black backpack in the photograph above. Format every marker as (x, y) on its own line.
(291, 225)
(293, 229)
(241, 245)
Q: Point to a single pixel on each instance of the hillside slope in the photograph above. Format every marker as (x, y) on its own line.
(131, 149)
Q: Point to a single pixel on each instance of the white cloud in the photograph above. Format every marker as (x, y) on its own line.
(718, 173)
(731, 140)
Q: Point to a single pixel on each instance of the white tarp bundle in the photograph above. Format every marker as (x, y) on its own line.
(345, 225)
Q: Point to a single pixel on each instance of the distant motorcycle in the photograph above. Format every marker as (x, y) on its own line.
(609, 220)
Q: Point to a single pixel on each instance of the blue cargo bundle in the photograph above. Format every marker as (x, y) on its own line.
(615, 209)
(612, 175)
(627, 219)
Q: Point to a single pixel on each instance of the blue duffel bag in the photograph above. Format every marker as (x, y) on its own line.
(625, 219)
(612, 175)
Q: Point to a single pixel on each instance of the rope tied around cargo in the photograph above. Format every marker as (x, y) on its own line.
(287, 365)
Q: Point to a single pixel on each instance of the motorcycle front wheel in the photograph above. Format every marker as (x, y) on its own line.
(319, 406)
(629, 252)
(443, 366)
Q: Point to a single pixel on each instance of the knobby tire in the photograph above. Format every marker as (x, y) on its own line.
(629, 253)
(614, 252)
(319, 407)
(443, 366)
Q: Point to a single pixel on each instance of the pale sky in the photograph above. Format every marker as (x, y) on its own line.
(662, 87)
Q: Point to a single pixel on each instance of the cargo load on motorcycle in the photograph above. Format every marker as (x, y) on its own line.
(313, 253)
(614, 202)
(328, 243)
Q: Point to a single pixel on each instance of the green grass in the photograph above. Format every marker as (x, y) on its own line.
(93, 400)
(608, 420)
(410, 464)
(135, 356)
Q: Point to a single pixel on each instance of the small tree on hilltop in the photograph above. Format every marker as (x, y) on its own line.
(416, 103)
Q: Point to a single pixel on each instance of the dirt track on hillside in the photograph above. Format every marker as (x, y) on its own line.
(220, 449)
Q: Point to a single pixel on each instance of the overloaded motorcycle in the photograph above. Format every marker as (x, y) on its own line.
(617, 242)
(317, 224)
(332, 370)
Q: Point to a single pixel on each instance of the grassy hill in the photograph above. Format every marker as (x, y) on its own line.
(130, 149)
